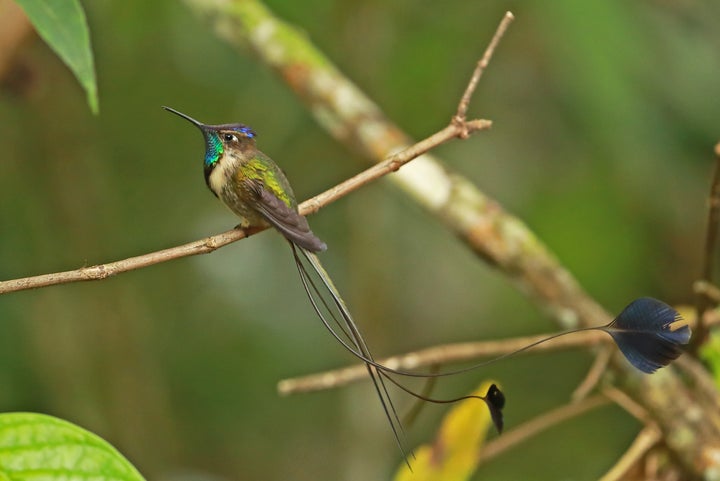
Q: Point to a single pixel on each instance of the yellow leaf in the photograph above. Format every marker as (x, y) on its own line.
(453, 456)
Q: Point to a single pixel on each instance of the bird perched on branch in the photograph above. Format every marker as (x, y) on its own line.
(648, 332)
(253, 186)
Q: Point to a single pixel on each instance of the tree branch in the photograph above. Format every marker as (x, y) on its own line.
(536, 425)
(703, 299)
(649, 437)
(212, 243)
(594, 374)
(461, 114)
(438, 355)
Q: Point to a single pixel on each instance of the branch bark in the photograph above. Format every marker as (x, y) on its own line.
(704, 301)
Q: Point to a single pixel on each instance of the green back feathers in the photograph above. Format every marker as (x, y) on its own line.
(260, 167)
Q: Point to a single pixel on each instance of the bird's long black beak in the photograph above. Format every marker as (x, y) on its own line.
(197, 124)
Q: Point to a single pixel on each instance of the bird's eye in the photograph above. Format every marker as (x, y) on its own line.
(230, 138)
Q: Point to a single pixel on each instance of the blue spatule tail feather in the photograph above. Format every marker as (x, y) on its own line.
(649, 333)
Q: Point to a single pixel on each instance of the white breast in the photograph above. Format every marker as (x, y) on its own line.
(222, 173)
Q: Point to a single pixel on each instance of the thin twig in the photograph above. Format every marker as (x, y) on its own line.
(533, 427)
(710, 291)
(650, 435)
(443, 354)
(391, 164)
(627, 403)
(703, 301)
(482, 64)
(644, 442)
(212, 243)
(592, 378)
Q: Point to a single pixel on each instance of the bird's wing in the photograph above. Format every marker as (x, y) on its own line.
(288, 221)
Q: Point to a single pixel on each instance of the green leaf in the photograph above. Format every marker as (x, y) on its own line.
(62, 24)
(36, 447)
(710, 353)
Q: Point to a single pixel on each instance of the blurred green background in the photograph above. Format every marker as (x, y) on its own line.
(605, 115)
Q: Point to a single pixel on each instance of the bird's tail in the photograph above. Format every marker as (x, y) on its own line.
(649, 333)
(343, 327)
(337, 319)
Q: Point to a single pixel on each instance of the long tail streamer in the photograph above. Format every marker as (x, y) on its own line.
(348, 334)
(648, 332)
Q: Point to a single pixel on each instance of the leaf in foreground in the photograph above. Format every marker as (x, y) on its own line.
(36, 447)
(62, 24)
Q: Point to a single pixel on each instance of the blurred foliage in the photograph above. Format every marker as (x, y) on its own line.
(711, 355)
(605, 117)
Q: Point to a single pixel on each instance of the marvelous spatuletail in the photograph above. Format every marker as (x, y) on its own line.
(256, 189)
(648, 332)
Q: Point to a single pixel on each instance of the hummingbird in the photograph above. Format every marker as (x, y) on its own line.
(648, 332)
(254, 188)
